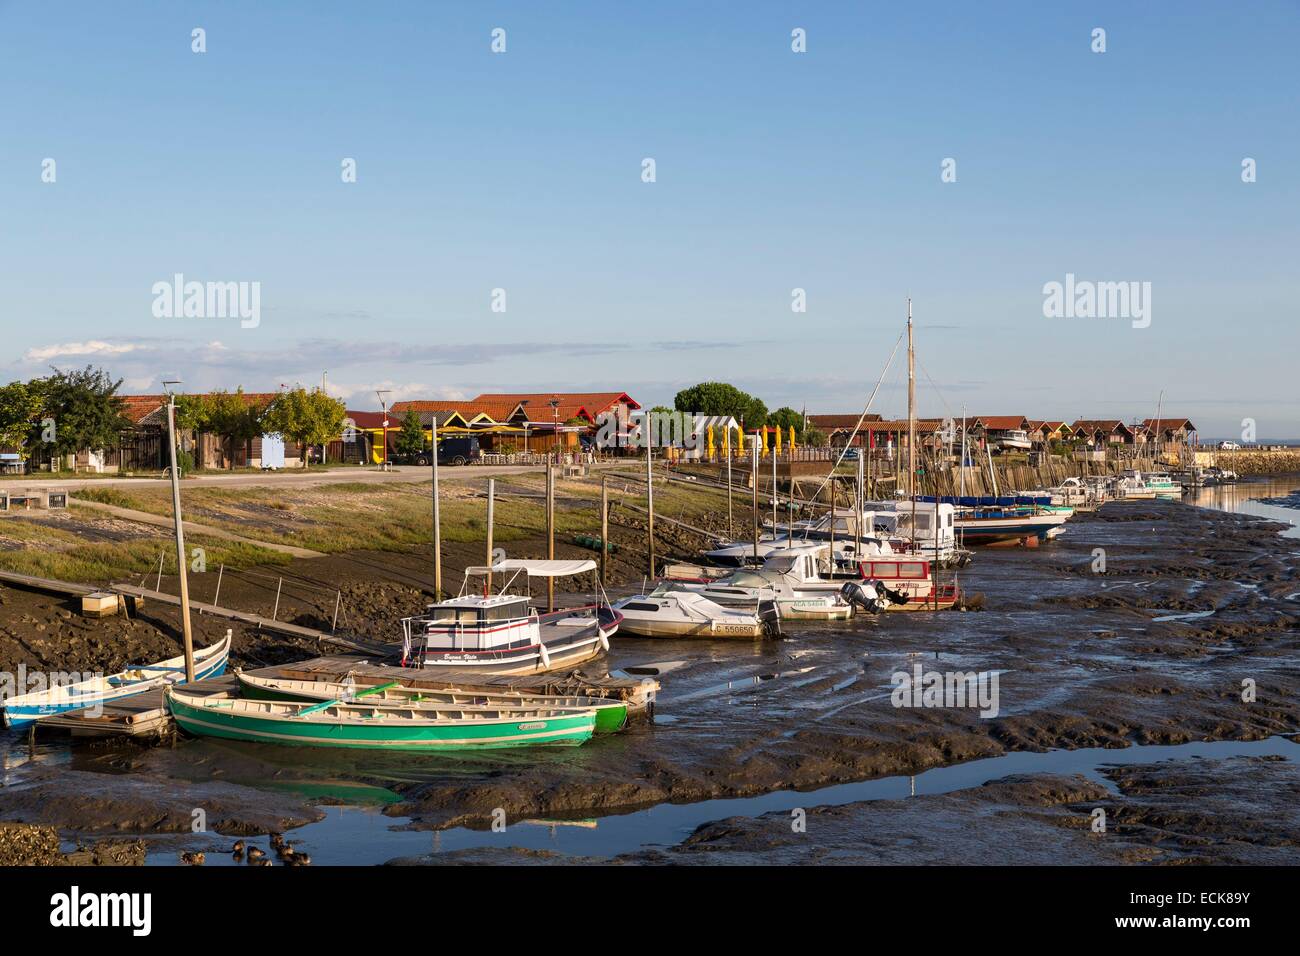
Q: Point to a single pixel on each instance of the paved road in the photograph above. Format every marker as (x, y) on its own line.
(279, 479)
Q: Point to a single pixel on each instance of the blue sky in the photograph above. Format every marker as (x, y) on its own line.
(775, 171)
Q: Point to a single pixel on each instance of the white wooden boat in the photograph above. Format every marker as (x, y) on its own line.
(670, 612)
(98, 691)
(611, 714)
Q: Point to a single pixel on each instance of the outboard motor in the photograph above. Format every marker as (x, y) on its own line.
(894, 597)
(862, 595)
(770, 615)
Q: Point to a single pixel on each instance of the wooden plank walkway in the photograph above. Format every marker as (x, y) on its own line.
(46, 584)
(53, 586)
(144, 715)
(266, 623)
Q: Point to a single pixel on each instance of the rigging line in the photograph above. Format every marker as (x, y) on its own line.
(942, 400)
(861, 418)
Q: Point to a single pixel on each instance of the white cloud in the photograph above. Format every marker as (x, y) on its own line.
(398, 392)
(77, 349)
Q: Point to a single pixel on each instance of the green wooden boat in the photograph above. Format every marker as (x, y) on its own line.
(334, 723)
(611, 715)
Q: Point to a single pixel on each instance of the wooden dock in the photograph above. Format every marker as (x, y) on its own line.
(144, 715)
(70, 589)
(264, 623)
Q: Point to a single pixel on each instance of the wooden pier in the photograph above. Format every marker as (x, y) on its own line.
(144, 715)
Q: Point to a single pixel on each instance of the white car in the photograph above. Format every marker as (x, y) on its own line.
(1229, 446)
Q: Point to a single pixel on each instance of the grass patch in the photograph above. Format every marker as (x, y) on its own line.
(65, 556)
(107, 496)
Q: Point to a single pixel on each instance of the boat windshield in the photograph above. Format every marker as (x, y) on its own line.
(465, 616)
(747, 579)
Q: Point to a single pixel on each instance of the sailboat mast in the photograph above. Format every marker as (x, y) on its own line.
(911, 419)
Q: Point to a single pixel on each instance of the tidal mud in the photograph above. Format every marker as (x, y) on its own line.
(1187, 630)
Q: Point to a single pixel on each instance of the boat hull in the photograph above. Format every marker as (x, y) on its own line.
(215, 721)
(28, 709)
(611, 715)
(646, 628)
(986, 531)
(566, 646)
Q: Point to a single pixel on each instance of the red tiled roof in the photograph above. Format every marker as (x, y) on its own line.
(1002, 422)
(497, 411)
(370, 419)
(1170, 423)
(839, 421)
(139, 407)
(594, 402)
(1100, 425)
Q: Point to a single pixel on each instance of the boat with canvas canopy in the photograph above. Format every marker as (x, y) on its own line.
(337, 723)
(671, 612)
(796, 578)
(611, 715)
(501, 633)
(24, 709)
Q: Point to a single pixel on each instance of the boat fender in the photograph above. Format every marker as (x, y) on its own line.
(545, 655)
(604, 639)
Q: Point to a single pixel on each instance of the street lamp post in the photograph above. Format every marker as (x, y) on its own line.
(383, 404)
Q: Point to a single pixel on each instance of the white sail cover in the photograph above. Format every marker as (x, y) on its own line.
(537, 568)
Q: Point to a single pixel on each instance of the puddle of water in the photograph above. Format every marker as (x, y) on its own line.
(1244, 498)
(1187, 616)
(352, 835)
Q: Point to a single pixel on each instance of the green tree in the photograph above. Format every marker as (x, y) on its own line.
(86, 409)
(306, 418)
(411, 440)
(20, 403)
(719, 398)
(783, 418)
(228, 415)
(233, 418)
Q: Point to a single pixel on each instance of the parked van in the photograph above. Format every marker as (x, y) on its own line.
(458, 451)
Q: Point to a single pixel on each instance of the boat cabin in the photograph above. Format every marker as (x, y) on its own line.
(474, 622)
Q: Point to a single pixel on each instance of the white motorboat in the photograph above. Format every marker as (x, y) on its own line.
(671, 612)
(501, 634)
(805, 583)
